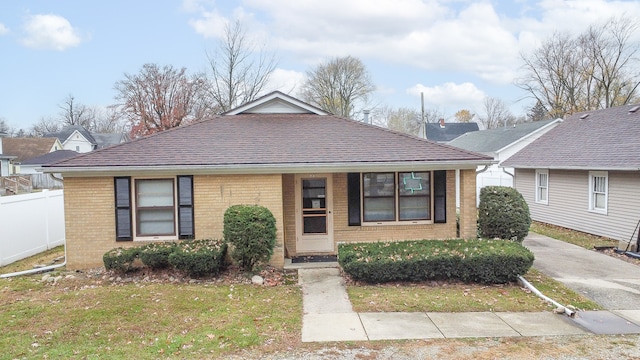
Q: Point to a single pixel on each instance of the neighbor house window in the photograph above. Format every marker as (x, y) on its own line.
(396, 196)
(542, 186)
(154, 208)
(598, 191)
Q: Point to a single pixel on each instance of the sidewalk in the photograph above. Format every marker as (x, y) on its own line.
(329, 316)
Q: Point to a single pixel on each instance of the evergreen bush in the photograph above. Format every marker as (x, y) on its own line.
(156, 255)
(120, 259)
(199, 257)
(251, 232)
(503, 214)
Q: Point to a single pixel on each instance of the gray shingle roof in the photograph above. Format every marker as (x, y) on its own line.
(489, 141)
(604, 139)
(64, 134)
(50, 158)
(104, 140)
(26, 148)
(450, 131)
(281, 140)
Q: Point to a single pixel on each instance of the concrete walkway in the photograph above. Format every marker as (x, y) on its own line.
(329, 316)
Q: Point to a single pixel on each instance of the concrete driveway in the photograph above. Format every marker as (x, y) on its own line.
(612, 283)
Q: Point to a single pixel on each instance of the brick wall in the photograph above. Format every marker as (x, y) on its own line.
(90, 212)
(468, 212)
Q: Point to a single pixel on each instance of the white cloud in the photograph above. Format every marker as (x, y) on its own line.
(3, 29)
(52, 32)
(287, 81)
(450, 96)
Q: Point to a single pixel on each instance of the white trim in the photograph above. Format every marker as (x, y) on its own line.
(538, 187)
(592, 206)
(314, 243)
(544, 128)
(246, 108)
(293, 168)
(134, 212)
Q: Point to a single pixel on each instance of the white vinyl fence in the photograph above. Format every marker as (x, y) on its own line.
(30, 224)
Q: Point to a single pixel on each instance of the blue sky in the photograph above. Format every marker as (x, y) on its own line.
(454, 51)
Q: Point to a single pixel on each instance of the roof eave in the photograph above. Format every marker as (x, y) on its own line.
(270, 168)
(572, 167)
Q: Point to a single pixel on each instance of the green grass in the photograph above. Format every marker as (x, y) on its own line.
(460, 297)
(78, 318)
(581, 239)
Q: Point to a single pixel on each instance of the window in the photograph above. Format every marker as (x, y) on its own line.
(157, 207)
(155, 210)
(542, 186)
(390, 196)
(598, 191)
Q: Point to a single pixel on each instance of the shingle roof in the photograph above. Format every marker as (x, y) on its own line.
(50, 158)
(104, 140)
(64, 134)
(26, 148)
(486, 141)
(450, 131)
(276, 140)
(604, 139)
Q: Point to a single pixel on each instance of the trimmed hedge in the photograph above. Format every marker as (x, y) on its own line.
(251, 232)
(195, 257)
(503, 214)
(199, 257)
(478, 261)
(120, 259)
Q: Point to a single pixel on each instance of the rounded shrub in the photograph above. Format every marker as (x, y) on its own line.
(156, 255)
(503, 213)
(120, 259)
(251, 232)
(199, 257)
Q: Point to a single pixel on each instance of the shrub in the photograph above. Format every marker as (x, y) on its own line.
(120, 259)
(156, 255)
(251, 232)
(481, 261)
(503, 213)
(199, 257)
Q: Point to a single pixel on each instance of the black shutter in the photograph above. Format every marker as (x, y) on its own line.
(440, 196)
(122, 186)
(185, 207)
(353, 195)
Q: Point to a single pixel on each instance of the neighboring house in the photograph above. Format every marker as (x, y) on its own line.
(31, 166)
(104, 140)
(326, 180)
(501, 144)
(80, 140)
(76, 138)
(443, 132)
(27, 148)
(4, 159)
(584, 174)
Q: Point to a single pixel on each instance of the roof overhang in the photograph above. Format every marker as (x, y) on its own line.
(584, 168)
(267, 168)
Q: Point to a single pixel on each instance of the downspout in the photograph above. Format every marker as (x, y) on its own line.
(528, 285)
(483, 170)
(504, 170)
(38, 270)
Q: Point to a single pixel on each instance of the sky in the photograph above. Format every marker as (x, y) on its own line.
(455, 52)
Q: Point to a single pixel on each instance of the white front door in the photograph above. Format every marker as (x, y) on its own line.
(314, 219)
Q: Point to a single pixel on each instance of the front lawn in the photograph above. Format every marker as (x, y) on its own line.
(587, 241)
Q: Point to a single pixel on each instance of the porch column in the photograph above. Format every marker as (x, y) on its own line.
(468, 211)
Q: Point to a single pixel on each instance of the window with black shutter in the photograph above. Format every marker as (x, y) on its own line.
(440, 196)
(122, 186)
(353, 195)
(185, 207)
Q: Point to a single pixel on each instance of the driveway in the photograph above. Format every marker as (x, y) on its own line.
(611, 282)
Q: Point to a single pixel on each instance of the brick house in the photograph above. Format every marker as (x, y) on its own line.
(326, 179)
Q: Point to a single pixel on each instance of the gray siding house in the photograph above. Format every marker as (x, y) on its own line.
(584, 174)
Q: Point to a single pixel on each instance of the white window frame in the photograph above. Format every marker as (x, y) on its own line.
(396, 201)
(593, 176)
(134, 212)
(539, 187)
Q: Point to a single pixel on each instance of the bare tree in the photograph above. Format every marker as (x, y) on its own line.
(496, 114)
(4, 127)
(597, 69)
(45, 126)
(107, 120)
(338, 86)
(75, 114)
(402, 119)
(158, 99)
(239, 73)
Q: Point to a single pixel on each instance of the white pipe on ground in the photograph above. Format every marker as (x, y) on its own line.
(37, 270)
(528, 285)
